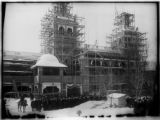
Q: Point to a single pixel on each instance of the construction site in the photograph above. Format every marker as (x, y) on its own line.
(72, 78)
(97, 70)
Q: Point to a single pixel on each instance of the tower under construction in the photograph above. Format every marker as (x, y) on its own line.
(132, 44)
(62, 34)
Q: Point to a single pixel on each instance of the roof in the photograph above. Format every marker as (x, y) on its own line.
(13, 63)
(13, 71)
(20, 56)
(95, 48)
(48, 60)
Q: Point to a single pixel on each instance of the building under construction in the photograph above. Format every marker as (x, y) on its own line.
(62, 34)
(133, 47)
(98, 70)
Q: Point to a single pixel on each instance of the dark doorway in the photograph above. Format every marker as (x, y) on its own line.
(73, 91)
(8, 88)
(51, 89)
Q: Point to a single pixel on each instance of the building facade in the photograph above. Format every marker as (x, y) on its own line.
(97, 69)
(91, 70)
(16, 72)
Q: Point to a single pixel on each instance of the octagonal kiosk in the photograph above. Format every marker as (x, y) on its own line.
(48, 74)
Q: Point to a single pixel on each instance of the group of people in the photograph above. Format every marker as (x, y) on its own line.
(48, 103)
(36, 104)
(22, 103)
(142, 105)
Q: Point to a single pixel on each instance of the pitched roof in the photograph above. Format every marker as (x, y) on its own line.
(48, 60)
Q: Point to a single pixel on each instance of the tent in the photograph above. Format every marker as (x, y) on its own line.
(117, 99)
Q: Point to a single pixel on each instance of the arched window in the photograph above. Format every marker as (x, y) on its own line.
(69, 31)
(61, 30)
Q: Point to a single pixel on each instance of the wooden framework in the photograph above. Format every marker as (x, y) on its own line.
(100, 67)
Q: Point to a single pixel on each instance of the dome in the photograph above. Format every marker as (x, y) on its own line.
(48, 60)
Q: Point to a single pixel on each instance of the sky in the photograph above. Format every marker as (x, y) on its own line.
(23, 23)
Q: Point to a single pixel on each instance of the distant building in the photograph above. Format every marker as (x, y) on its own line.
(16, 72)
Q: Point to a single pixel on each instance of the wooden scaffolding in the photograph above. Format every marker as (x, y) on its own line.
(62, 34)
(132, 43)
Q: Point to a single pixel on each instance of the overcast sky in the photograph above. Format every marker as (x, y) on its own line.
(22, 23)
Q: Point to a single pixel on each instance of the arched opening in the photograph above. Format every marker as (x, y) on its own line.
(73, 91)
(51, 89)
(69, 31)
(61, 30)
